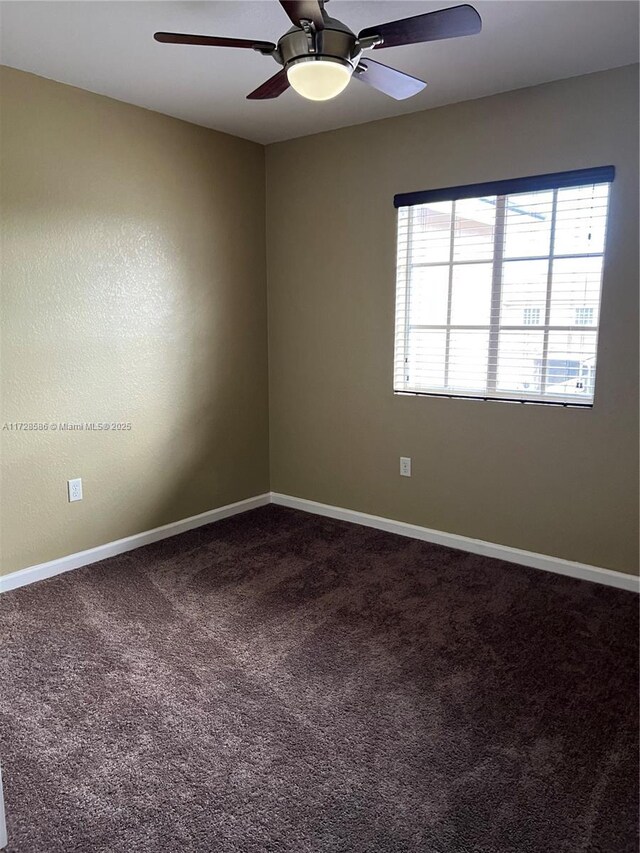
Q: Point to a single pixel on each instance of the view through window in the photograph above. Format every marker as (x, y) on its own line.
(498, 296)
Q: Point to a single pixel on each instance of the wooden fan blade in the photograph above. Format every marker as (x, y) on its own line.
(388, 80)
(214, 41)
(271, 88)
(444, 24)
(304, 10)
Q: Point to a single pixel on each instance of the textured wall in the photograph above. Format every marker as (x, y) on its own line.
(133, 276)
(133, 290)
(560, 482)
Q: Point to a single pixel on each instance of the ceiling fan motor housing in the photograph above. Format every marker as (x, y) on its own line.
(335, 42)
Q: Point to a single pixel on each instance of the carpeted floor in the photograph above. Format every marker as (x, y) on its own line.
(283, 682)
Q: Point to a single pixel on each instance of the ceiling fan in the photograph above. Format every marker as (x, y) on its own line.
(319, 54)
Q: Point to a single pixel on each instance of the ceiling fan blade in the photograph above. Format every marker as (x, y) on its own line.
(444, 24)
(388, 80)
(271, 88)
(304, 10)
(214, 41)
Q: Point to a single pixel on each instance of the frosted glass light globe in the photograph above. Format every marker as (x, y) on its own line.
(319, 79)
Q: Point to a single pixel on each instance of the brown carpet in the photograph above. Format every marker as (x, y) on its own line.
(283, 682)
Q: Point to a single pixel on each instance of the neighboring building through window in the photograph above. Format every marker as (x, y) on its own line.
(531, 316)
(584, 316)
(498, 288)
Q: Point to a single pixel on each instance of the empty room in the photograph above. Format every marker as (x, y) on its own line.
(319, 426)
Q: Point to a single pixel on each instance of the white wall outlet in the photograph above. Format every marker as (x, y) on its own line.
(405, 466)
(74, 488)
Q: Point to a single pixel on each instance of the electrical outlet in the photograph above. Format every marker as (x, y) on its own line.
(74, 488)
(405, 466)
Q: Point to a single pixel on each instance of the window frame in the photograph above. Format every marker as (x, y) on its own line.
(502, 189)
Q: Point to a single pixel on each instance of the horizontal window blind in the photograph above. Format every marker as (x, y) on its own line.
(498, 295)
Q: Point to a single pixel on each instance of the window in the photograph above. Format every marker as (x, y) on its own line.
(531, 316)
(584, 316)
(498, 288)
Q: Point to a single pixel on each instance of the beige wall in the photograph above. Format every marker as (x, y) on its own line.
(133, 289)
(555, 481)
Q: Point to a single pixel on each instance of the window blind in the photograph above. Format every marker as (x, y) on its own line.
(498, 288)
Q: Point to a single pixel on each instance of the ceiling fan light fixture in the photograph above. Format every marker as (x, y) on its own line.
(319, 78)
(319, 54)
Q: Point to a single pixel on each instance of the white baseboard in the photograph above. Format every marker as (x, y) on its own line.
(111, 549)
(3, 825)
(621, 580)
(414, 531)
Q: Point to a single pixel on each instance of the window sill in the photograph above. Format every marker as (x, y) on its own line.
(561, 404)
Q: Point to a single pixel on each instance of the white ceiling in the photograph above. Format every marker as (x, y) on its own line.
(107, 47)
